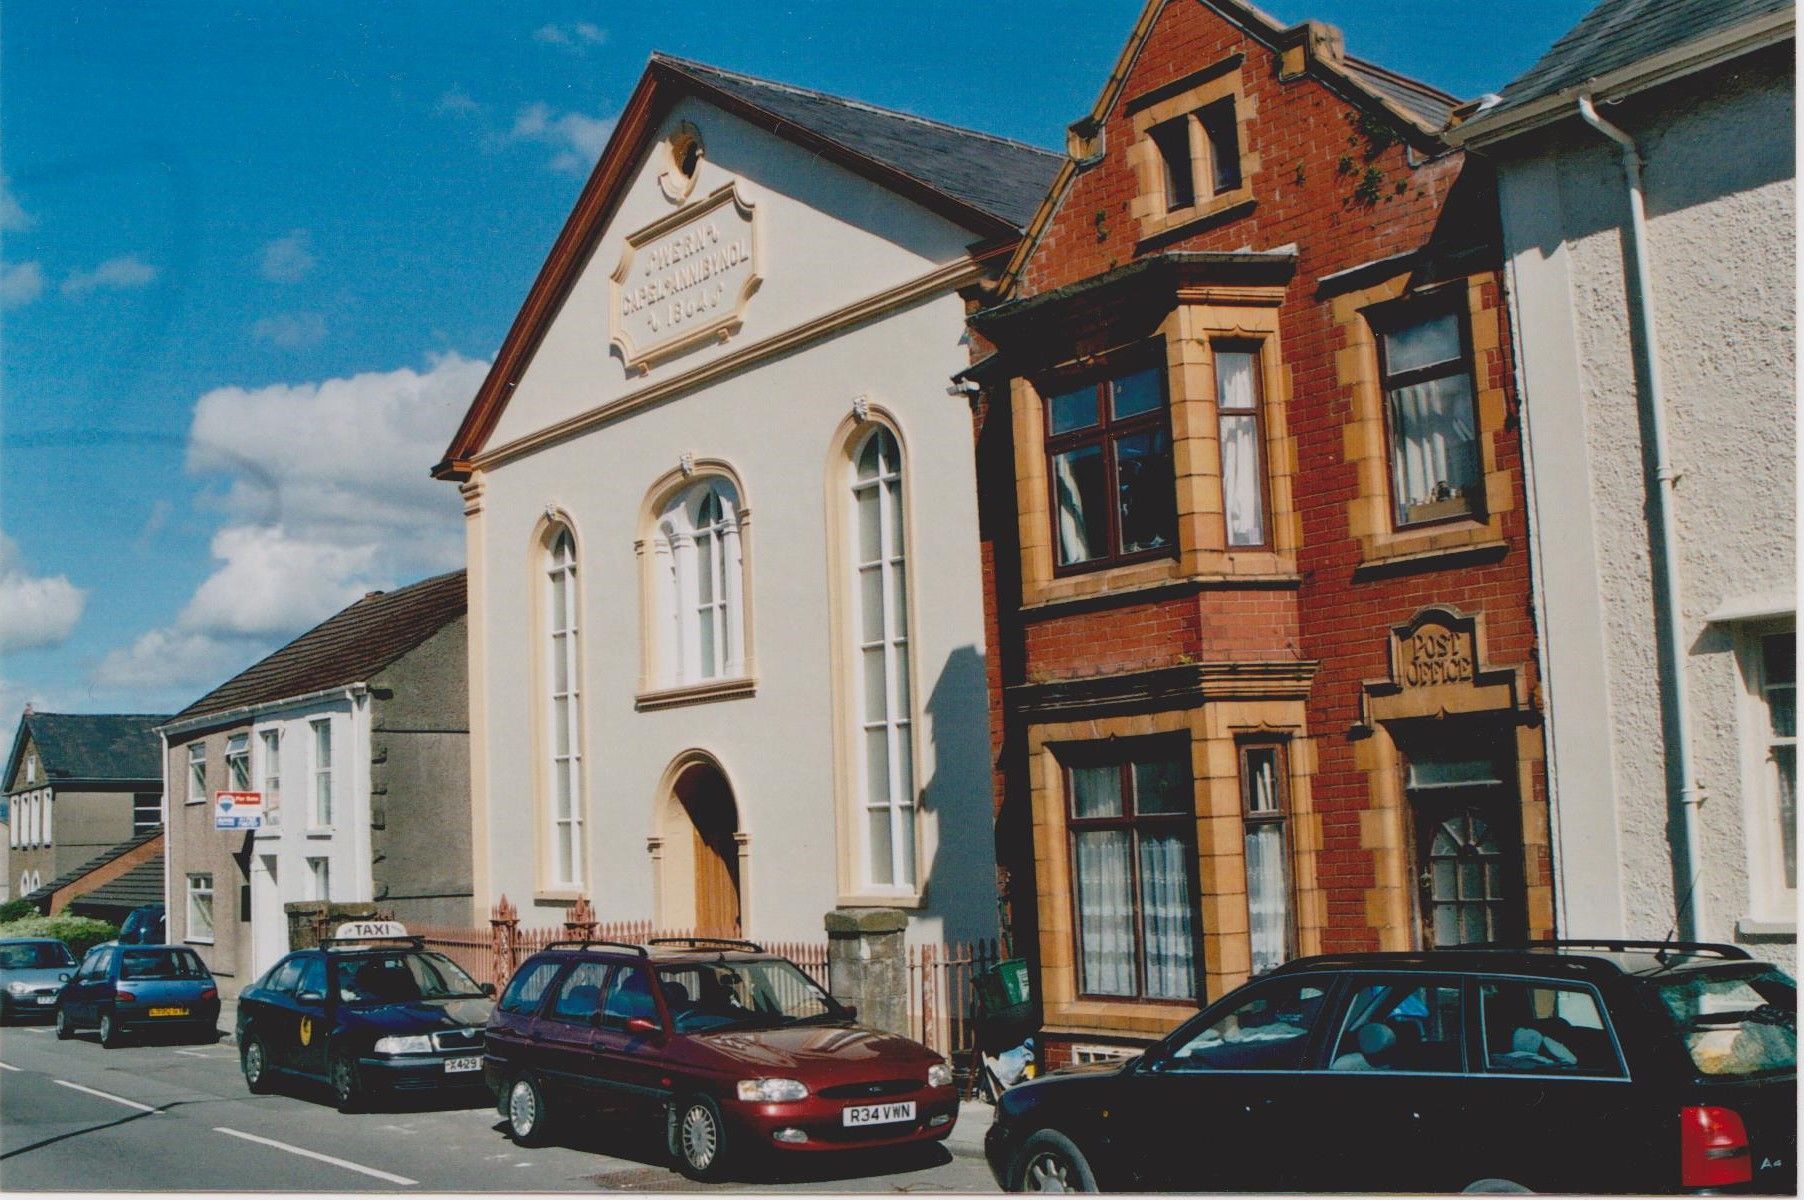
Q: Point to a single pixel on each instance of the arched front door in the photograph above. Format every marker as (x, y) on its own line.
(714, 824)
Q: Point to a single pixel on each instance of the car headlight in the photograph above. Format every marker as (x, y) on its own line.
(939, 1075)
(772, 1089)
(18, 987)
(414, 1043)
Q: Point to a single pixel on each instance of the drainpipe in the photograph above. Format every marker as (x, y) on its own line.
(1666, 568)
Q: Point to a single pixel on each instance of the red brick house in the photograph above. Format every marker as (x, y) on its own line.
(1264, 675)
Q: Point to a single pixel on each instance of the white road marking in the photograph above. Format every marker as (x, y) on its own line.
(198, 1054)
(10, 1067)
(317, 1156)
(108, 1096)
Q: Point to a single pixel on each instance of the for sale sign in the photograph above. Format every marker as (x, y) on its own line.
(237, 810)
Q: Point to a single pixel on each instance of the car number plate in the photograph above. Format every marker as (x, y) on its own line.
(50, 999)
(879, 1114)
(169, 1012)
(471, 1062)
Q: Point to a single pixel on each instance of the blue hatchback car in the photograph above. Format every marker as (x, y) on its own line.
(122, 988)
(366, 1015)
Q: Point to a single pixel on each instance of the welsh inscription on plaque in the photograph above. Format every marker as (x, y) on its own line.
(684, 280)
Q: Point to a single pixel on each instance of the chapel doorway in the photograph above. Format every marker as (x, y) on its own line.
(1467, 823)
(713, 819)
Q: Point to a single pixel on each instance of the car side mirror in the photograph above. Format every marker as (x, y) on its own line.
(488, 989)
(641, 1027)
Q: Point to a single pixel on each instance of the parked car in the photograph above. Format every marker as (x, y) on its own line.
(32, 972)
(121, 988)
(145, 925)
(732, 1050)
(368, 1014)
(1567, 1067)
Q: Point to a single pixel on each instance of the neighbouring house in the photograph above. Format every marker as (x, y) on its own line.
(1647, 168)
(1266, 677)
(112, 883)
(76, 785)
(681, 714)
(353, 742)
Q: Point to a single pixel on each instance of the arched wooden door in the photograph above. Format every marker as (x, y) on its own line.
(714, 822)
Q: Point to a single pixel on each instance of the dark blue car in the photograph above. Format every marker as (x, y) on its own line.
(119, 989)
(366, 1019)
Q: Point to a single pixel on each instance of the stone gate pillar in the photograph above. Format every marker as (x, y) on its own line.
(867, 964)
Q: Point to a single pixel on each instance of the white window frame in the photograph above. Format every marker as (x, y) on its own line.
(195, 890)
(31, 769)
(563, 713)
(895, 724)
(681, 544)
(1770, 901)
(319, 878)
(238, 762)
(49, 812)
(197, 772)
(139, 826)
(320, 810)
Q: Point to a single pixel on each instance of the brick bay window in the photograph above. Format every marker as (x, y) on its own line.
(1426, 364)
(1132, 828)
(1108, 448)
(1271, 917)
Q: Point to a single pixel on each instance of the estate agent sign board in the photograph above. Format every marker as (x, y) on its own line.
(237, 810)
(684, 280)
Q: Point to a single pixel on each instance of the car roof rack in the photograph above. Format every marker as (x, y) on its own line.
(1622, 945)
(713, 943)
(585, 943)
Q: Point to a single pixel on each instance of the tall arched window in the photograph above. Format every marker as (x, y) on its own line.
(564, 710)
(880, 632)
(700, 585)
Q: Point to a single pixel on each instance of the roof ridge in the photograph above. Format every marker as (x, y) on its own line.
(849, 102)
(97, 716)
(1378, 68)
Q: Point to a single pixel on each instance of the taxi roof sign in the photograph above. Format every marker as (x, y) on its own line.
(363, 931)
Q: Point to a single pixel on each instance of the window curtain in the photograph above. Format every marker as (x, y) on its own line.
(1241, 478)
(1433, 429)
(1105, 912)
(1165, 908)
(1268, 896)
(1083, 524)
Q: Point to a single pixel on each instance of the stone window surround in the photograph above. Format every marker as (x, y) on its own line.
(1203, 316)
(1366, 435)
(842, 609)
(1215, 729)
(554, 520)
(1148, 207)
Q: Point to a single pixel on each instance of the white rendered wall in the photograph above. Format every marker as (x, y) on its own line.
(1721, 218)
(829, 239)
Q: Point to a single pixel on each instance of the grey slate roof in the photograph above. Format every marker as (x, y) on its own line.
(346, 648)
(1619, 32)
(1003, 178)
(1429, 105)
(141, 885)
(122, 746)
(44, 893)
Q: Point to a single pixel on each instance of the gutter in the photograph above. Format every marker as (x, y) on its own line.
(231, 716)
(1665, 568)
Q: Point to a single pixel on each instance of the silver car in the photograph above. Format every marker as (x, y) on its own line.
(32, 973)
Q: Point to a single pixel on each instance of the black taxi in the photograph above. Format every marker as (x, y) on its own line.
(370, 1011)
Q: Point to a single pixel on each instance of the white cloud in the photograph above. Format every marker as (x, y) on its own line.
(291, 331)
(577, 36)
(36, 611)
(577, 137)
(126, 271)
(457, 103)
(13, 216)
(326, 495)
(289, 259)
(20, 283)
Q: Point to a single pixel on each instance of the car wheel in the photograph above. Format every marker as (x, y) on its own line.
(110, 1034)
(528, 1119)
(347, 1090)
(253, 1056)
(698, 1138)
(1051, 1162)
(64, 1030)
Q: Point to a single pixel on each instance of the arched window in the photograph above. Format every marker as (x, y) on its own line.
(700, 585)
(563, 743)
(885, 751)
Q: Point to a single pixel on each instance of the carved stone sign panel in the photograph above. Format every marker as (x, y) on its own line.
(1435, 654)
(685, 279)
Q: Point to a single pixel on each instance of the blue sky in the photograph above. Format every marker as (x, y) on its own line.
(255, 258)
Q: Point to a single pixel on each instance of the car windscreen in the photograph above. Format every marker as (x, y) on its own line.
(400, 977)
(161, 964)
(22, 956)
(760, 992)
(1736, 1023)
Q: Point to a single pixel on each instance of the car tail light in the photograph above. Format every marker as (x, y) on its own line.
(124, 997)
(1713, 1147)
(210, 994)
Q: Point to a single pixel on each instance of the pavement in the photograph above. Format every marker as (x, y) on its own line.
(175, 1116)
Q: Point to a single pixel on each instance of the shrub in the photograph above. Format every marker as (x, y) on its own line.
(78, 933)
(12, 910)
